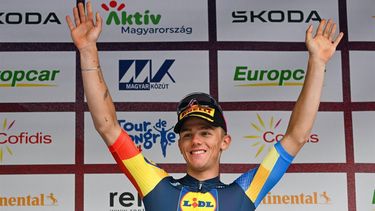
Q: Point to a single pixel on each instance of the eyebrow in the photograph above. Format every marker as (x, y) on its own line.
(202, 127)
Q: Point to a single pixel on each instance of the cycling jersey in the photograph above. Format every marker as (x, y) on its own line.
(161, 192)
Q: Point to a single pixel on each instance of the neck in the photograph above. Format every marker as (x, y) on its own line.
(203, 175)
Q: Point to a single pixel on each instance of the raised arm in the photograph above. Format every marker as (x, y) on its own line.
(321, 47)
(85, 33)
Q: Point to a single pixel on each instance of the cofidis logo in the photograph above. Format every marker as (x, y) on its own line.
(146, 134)
(267, 133)
(246, 76)
(28, 78)
(138, 22)
(312, 198)
(8, 138)
(37, 200)
(142, 75)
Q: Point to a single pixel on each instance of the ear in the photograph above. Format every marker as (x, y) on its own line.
(179, 144)
(227, 140)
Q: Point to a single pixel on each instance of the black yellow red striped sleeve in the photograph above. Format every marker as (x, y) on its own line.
(143, 174)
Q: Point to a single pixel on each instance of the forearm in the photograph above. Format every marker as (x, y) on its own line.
(98, 98)
(306, 107)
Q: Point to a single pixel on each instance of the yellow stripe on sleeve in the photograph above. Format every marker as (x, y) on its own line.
(146, 176)
(262, 174)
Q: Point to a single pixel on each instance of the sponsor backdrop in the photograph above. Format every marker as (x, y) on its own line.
(250, 55)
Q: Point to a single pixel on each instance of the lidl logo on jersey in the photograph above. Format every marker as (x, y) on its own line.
(9, 138)
(28, 77)
(198, 201)
(32, 201)
(267, 132)
(298, 199)
(139, 23)
(147, 134)
(143, 75)
(246, 76)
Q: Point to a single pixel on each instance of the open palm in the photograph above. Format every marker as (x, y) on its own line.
(85, 32)
(323, 45)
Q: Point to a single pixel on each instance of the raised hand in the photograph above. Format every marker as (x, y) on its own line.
(323, 45)
(85, 32)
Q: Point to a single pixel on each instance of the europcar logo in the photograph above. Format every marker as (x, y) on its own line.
(312, 198)
(138, 22)
(37, 200)
(7, 138)
(127, 200)
(28, 77)
(268, 133)
(141, 75)
(373, 198)
(275, 16)
(198, 201)
(246, 76)
(146, 134)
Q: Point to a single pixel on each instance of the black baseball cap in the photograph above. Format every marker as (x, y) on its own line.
(201, 105)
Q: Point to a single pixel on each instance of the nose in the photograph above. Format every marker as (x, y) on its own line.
(196, 140)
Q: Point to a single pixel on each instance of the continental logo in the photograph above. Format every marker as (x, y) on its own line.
(298, 199)
(28, 78)
(273, 77)
(198, 109)
(40, 200)
(198, 201)
(267, 133)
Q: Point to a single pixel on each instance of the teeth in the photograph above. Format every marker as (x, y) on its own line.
(198, 152)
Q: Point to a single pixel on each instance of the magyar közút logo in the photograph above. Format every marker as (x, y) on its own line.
(246, 76)
(147, 134)
(32, 201)
(267, 133)
(8, 139)
(139, 23)
(28, 77)
(142, 75)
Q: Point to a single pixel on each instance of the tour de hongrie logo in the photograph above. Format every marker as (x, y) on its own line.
(147, 134)
(139, 22)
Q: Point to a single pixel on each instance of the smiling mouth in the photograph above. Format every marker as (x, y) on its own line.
(198, 152)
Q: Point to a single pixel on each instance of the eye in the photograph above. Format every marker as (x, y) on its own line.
(206, 133)
(186, 135)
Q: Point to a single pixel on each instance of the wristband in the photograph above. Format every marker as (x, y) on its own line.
(91, 69)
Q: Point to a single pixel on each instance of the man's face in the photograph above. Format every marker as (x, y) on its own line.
(201, 145)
